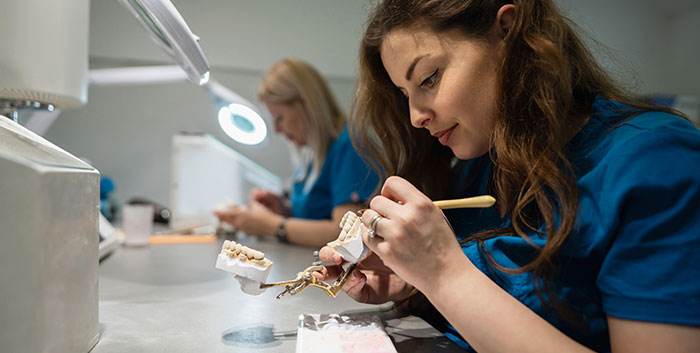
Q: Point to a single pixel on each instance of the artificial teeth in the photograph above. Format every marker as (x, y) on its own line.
(349, 243)
(249, 265)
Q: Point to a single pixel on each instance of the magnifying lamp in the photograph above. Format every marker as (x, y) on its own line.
(168, 29)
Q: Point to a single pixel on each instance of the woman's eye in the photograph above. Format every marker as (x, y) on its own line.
(430, 80)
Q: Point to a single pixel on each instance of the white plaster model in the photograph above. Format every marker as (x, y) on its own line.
(349, 243)
(250, 266)
(248, 286)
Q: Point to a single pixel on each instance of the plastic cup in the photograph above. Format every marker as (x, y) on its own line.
(138, 224)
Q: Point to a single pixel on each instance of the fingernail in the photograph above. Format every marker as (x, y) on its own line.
(352, 275)
(334, 258)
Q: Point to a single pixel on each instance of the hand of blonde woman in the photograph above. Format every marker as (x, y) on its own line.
(371, 282)
(272, 201)
(412, 237)
(255, 219)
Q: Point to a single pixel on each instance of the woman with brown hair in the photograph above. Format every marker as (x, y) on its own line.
(594, 239)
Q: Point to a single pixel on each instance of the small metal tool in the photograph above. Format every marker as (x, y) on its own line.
(306, 278)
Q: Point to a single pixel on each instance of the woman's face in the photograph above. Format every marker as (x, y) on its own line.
(291, 120)
(450, 83)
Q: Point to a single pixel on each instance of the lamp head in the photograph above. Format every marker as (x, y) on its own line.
(169, 30)
(236, 117)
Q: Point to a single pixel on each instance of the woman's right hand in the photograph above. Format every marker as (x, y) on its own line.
(270, 200)
(371, 282)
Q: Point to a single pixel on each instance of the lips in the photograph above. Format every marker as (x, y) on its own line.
(444, 135)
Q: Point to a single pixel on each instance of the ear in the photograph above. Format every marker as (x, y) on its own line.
(505, 19)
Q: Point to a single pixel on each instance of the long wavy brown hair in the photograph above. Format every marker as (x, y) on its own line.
(548, 81)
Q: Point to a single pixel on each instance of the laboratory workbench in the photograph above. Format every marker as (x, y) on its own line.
(170, 298)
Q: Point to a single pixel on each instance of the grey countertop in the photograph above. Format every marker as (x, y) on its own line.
(170, 298)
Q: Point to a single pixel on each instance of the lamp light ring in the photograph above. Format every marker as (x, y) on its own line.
(242, 124)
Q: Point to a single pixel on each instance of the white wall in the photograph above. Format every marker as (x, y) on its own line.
(632, 39)
(125, 131)
(684, 63)
(249, 34)
(650, 46)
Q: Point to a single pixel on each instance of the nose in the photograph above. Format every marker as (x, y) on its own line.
(421, 115)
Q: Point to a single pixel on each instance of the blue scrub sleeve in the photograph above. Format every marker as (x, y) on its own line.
(652, 269)
(351, 179)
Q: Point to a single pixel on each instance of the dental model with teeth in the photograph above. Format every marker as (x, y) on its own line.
(250, 266)
(349, 243)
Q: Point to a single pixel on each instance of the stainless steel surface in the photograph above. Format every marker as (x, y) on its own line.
(49, 207)
(170, 298)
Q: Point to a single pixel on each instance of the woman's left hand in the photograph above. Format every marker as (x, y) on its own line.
(255, 219)
(272, 201)
(413, 237)
(370, 282)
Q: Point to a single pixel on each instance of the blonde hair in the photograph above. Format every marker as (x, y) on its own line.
(291, 80)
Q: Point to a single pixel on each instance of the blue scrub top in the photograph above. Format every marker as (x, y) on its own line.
(344, 178)
(635, 251)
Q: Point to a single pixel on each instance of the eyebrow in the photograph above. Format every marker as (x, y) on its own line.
(411, 67)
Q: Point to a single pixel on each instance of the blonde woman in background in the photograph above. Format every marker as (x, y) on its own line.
(335, 180)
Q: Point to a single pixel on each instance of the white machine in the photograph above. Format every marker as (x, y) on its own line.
(205, 172)
(49, 254)
(49, 199)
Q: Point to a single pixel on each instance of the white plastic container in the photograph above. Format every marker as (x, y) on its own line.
(138, 224)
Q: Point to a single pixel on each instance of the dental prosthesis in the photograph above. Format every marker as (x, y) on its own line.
(250, 266)
(349, 243)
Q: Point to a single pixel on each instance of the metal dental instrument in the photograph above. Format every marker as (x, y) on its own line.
(306, 278)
